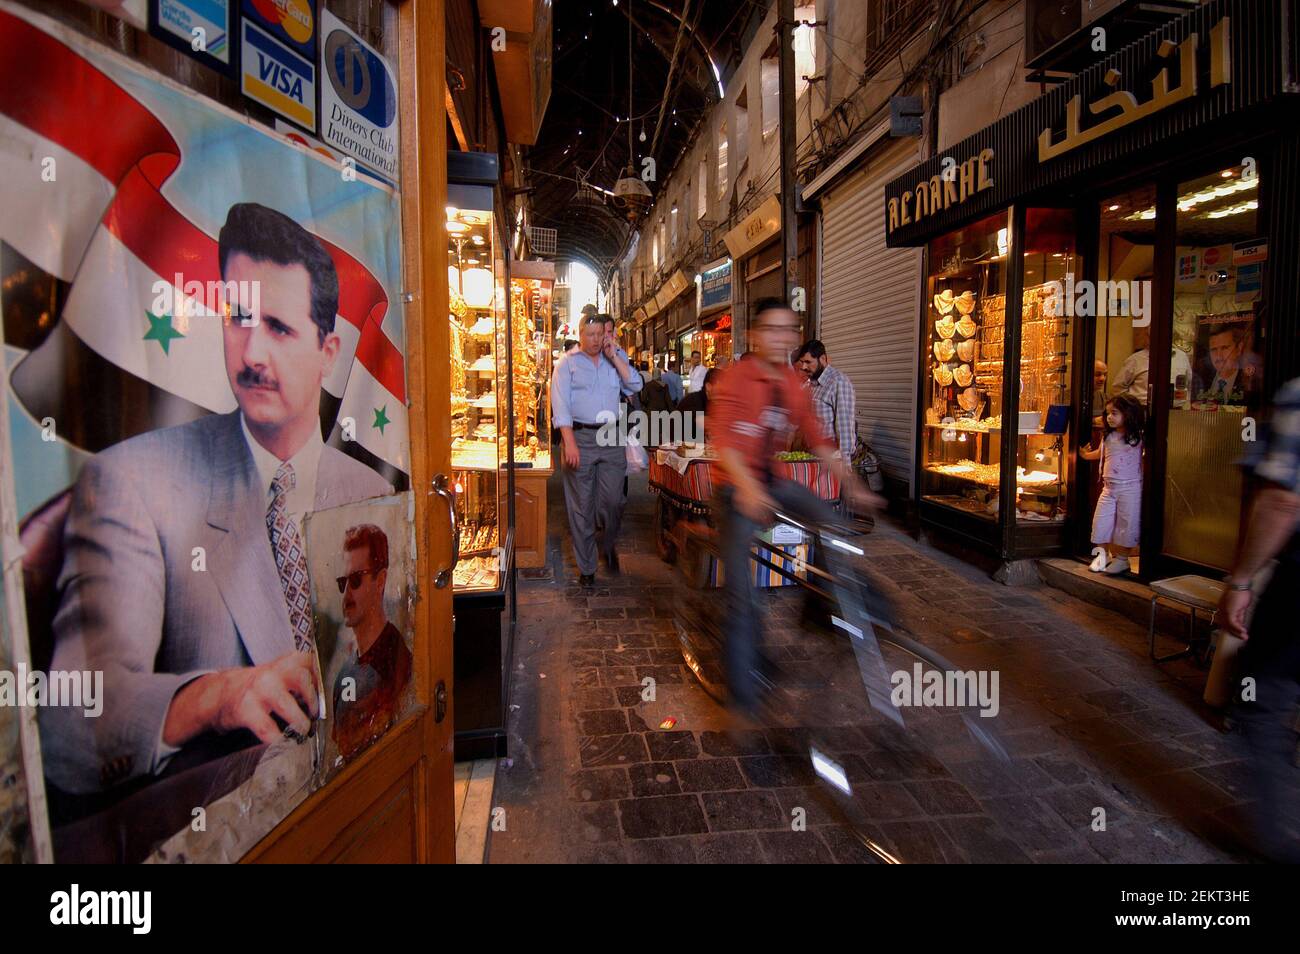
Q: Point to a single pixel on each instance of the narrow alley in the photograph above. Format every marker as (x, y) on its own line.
(1089, 721)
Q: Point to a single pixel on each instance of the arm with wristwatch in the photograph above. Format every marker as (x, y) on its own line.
(1276, 509)
(1273, 519)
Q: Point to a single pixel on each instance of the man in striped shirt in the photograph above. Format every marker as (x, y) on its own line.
(833, 396)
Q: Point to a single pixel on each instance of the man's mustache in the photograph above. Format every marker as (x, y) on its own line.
(252, 378)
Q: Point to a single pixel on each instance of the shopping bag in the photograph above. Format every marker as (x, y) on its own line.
(637, 459)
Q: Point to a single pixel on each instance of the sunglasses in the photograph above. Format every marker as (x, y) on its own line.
(352, 579)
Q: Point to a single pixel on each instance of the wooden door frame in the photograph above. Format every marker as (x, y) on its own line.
(415, 757)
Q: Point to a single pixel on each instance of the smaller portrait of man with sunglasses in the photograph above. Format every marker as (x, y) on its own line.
(368, 689)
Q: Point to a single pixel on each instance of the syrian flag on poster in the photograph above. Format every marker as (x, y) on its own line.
(374, 405)
(143, 319)
(60, 186)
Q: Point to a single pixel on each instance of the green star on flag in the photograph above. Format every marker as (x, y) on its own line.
(161, 331)
(381, 418)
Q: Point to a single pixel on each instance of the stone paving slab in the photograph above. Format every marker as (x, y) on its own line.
(1093, 729)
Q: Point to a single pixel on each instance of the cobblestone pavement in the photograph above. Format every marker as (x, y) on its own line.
(1089, 721)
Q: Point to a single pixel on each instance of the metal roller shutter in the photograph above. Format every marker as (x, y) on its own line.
(869, 308)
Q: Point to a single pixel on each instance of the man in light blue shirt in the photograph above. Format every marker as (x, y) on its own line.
(673, 381)
(584, 395)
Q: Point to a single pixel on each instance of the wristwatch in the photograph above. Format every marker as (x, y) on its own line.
(1239, 587)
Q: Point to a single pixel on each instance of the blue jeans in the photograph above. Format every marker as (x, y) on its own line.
(743, 629)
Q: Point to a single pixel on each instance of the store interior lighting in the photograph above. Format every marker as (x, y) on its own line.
(1191, 200)
(477, 287)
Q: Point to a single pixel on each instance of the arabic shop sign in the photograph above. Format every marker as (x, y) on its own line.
(1121, 107)
(676, 284)
(944, 190)
(715, 286)
(755, 229)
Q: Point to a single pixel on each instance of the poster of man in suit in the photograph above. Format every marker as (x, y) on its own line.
(1227, 369)
(213, 359)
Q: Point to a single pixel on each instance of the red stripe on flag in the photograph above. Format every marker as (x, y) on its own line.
(52, 90)
(48, 88)
(171, 244)
(382, 359)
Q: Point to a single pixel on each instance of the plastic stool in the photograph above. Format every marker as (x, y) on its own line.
(1196, 593)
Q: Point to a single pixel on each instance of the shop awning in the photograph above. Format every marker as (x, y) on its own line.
(676, 284)
(759, 226)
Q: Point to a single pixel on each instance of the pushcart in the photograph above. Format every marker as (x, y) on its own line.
(860, 613)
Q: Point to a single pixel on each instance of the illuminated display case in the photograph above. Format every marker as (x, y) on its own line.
(481, 348)
(532, 285)
(532, 288)
(478, 406)
(995, 405)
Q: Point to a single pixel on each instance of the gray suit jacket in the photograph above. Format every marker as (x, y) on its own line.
(131, 603)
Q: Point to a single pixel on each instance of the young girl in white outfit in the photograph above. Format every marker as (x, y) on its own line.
(1115, 522)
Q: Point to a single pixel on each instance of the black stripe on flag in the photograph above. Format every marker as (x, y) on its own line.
(399, 479)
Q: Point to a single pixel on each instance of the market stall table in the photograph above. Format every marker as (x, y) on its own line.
(684, 485)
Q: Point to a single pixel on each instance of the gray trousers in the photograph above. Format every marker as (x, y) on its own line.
(595, 486)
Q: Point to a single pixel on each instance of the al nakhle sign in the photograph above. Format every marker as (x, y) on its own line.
(1222, 69)
(944, 190)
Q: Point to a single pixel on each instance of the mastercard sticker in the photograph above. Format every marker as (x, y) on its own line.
(292, 22)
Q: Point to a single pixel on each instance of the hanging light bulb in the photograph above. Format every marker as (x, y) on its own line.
(476, 284)
(643, 134)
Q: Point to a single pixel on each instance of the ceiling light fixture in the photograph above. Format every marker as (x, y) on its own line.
(631, 195)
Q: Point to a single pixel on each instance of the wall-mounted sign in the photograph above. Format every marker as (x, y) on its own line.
(278, 78)
(1244, 253)
(944, 190)
(756, 228)
(358, 98)
(676, 284)
(1122, 107)
(203, 29)
(651, 307)
(715, 286)
(292, 22)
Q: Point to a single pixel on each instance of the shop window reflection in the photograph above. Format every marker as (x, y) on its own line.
(1125, 268)
(1219, 261)
(1047, 318)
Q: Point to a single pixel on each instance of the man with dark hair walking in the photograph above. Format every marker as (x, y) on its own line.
(760, 403)
(833, 397)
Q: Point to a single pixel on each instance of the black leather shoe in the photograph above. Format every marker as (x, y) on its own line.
(611, 561)
(587, 579)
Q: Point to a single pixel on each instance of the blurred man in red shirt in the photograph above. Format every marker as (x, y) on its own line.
(759, 405)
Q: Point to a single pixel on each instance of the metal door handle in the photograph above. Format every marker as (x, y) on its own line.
(441, 487)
